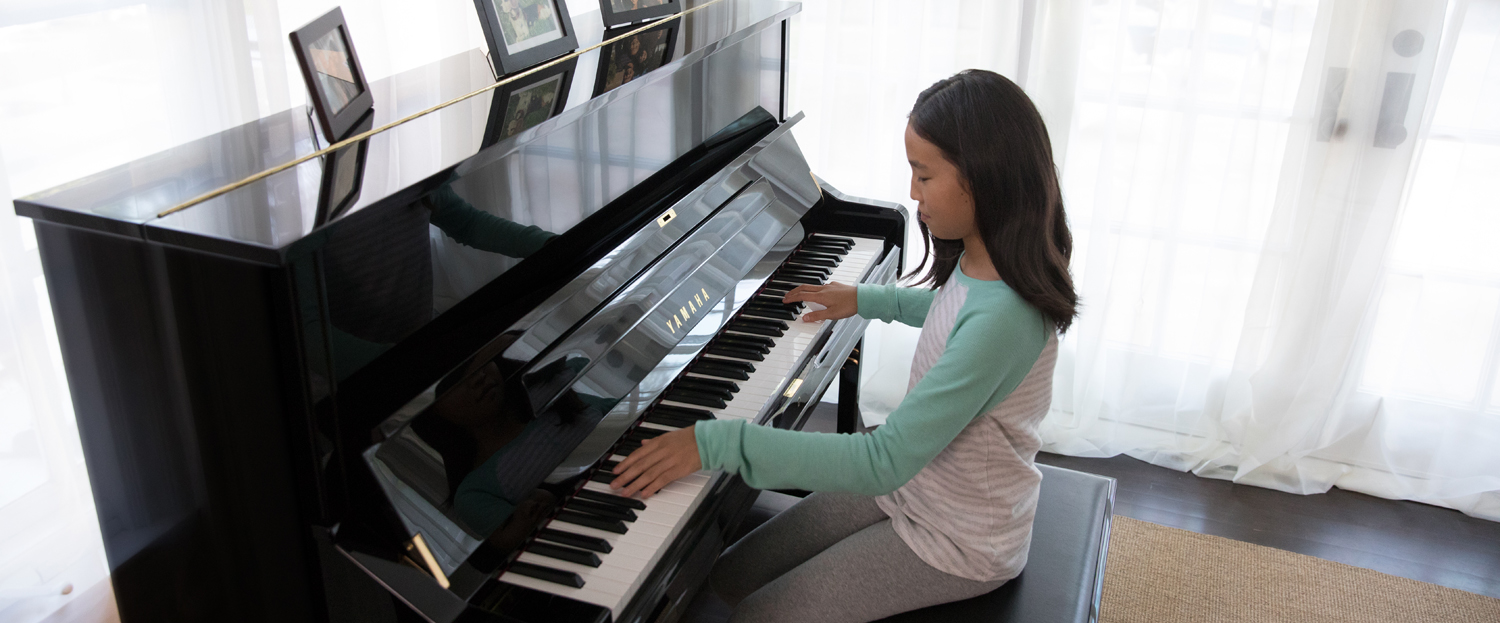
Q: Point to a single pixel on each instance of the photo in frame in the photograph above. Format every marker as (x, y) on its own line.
(523, 104)
(343, 176)
(336, 83)
(634, 56)
(616, 12)
(522, 33)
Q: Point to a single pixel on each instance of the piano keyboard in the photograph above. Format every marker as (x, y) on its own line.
(600, 547)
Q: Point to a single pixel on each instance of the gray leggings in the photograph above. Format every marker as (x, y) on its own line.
(832, 557)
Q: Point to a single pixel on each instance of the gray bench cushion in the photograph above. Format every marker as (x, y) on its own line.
(1065, 570)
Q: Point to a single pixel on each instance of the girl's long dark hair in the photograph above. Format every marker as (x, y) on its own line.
(987, 127)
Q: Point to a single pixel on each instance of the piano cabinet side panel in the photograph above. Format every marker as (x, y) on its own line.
(177, 366)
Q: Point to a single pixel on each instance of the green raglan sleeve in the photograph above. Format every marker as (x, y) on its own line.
(481, 230)
(992, 347)
(891, 303)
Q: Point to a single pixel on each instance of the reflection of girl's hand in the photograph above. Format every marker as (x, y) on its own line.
(657, 463)
(841, 301)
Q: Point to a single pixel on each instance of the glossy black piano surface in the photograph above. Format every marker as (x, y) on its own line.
(366, 387)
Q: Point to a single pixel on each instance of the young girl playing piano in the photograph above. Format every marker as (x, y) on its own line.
(936, 505)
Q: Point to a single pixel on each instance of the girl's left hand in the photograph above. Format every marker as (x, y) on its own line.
(657, 463)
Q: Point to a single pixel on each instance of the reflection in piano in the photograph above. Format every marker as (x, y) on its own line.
(397, 396)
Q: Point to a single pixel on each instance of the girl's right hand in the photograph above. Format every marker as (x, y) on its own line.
(840, 301)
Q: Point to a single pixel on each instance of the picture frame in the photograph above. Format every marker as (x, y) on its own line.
(623, 61)
(343, 175)
(617, 12)
(336, 83)
(523, 33)
(523, 104)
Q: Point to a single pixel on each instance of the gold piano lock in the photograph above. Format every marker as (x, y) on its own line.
(661, 221)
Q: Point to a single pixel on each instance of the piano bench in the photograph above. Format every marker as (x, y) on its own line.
(1064, 573)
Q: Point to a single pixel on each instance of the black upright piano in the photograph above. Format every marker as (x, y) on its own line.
(386, 384)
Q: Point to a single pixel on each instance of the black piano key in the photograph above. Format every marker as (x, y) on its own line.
(681, 392)
(788, 273)
(603, 477)
(757, 340)
(603, 510)
(825, 242)
(737, 353)
(608, 465)
(626, 447)
(720, 373)
(774, 301)
(763, 309)
(684, 412)
(547, 574)
(591, 543)
(812, 261)
(647, 433)
(591, 521)
(662, 419)
(692, 398)
(780, 314)
(575, 556)
(817, 255)
(717, 371)
(729, 341)
(832, 239)
(832, 250)
(617, 500)
(756, 329)
(612, 500)
(713, 367)
(773, 324)
(693, 381)
(801, 281)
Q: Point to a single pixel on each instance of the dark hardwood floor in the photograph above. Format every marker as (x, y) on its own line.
(1405, 539)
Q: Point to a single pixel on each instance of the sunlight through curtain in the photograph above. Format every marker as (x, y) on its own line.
(1281, 212)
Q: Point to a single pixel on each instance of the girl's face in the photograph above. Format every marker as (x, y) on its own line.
(942, 196)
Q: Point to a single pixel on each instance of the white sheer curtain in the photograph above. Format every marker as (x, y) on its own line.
(1281, 211)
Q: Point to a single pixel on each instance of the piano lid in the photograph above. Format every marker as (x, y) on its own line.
(265, 220)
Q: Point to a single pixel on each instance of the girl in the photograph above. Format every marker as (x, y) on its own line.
(936, 505)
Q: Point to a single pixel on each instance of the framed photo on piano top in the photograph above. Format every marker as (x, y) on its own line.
(522, 33)
(343, 176)
(523, 104)
(634, 56)
(330, 67)
(618, 12)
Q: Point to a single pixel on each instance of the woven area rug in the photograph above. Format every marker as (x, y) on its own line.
(1158, 574)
